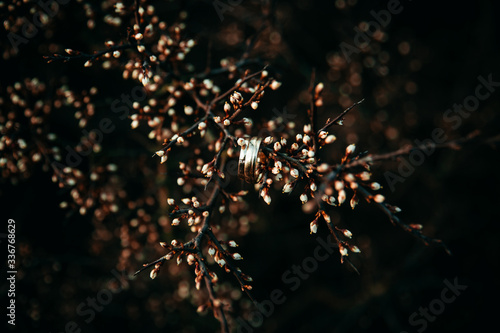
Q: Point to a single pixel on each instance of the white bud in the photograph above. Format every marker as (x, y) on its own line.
(180, 181)
(227, 107)
(227, 122)
(287, 188)
(275, 85)
(277, 146)
(188, 110)
(268, 140)
(342, 197)
(355, 249)
(303, 198)
(294, 173)
(237, 256)
(211, 251)
(350, 149)
(254, 105)
(314, 227)
(171, 201)
(375, 186)
(176, 222)
(331, 138)
(313, 187)
(232, 243)
(379, 198)
(343, 251)
(347, 233)
(160, 153)
(267, 199)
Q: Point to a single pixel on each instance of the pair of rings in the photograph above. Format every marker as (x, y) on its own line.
(251, 161)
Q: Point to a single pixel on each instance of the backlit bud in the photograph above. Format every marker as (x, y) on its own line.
(379, 198)
(303, 198)
(350, 149)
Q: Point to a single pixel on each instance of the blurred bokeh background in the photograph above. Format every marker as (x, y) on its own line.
(427, 58)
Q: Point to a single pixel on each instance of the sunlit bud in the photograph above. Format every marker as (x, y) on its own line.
(314, 227)
(175, 242)
(202, 126)
(227, 122)
(343, 251)
(322, 168)
(349, 177)
(211, 251)
(298, 137)
(191, 259)
(277, 146)
(287, 188)
(375, 186)
(186, 201)
(295, 146)
(347, 233)
(319, 88)
(323, 135)
(307, 128)
(354, 201)
(350, 149)
(227, 107)
(364, 176)
(339, 185)
(190, 212)
(342, 197)
(180, 56)
(188, 110)
(416, 226)
(160, 153)
(221, 262)
(313, 187)
(326, 216)
(241, 142)
(163, 159)
(267, 199)
(222, 209)
(179, 260)
(397, 209)
(153, 274)
(268, 140)
(237, 256)
(355, 249)
(138, 36)
(205, 213)
(180, 181)
(331, 200)
(331, 138)
(310, 153)
(303, 198)
(294, 173)
(275, 85)
(176, 222)
(134, 124)
(254, 105)
(379, 198)
(169, 255)
(209, 84)
(217, 119)
(306, 139)
(116, 54)
(232, 243)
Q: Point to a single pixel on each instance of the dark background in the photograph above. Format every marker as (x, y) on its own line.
(454, 194)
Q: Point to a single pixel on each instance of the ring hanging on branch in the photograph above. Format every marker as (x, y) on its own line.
(251, 161)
